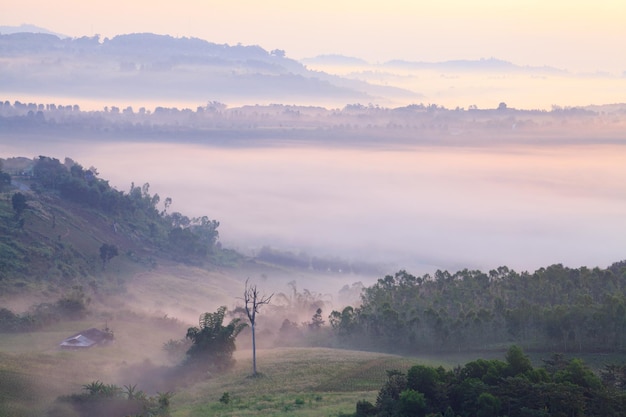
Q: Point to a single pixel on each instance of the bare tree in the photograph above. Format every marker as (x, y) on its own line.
(254, 301)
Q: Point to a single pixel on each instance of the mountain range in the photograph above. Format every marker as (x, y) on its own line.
(161, 67)
(158, 68)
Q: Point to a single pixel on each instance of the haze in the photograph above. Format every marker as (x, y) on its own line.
(577, 35)
(419, 208)
(423, 207)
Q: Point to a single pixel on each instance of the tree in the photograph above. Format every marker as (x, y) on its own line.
(74, 304)
(213, 344)
(107, 252)
(278, 53)
(19, 203)
(412, 403)
(49, 172)
(517, 361)
(253, 301)
(5, 178)
(488, 405)
(316, 321)
(389, 394)
(424, 379)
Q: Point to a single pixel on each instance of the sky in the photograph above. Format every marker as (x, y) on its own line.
(577, 35)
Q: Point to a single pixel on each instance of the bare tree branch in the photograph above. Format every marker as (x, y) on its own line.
(253, 301)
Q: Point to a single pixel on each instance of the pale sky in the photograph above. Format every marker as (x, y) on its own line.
(578, 35)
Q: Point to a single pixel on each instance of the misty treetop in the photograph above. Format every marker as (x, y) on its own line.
(553, 309)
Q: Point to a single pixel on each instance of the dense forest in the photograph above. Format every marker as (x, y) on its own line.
(492, 388)
(552, 309)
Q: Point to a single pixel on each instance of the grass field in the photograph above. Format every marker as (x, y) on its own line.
(293, 381)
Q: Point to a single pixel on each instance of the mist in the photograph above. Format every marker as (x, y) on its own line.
(421, 207)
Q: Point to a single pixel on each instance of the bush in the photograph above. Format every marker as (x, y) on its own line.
(365, 409)
(108, 400)
(225, 398)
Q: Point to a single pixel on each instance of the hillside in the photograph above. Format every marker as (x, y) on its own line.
(64, 226)
(65, 234)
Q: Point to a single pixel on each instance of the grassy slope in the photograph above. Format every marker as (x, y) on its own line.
(295, 382)
(304, 382)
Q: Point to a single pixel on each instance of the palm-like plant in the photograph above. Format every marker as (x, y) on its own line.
(213, 343)
(94, 387)
(102, 389)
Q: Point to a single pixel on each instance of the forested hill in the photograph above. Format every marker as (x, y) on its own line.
(61, 225)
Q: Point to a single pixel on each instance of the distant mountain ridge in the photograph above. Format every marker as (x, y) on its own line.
(149, 70)
(162, 67)
(24, 27)
(488, 64)
(482, 64)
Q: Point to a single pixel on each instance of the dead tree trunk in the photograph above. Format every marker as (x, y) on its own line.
(253, 301)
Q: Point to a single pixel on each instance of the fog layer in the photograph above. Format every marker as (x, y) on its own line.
(420, 208)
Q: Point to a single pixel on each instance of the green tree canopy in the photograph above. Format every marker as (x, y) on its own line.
(213, 344)
(18, 200)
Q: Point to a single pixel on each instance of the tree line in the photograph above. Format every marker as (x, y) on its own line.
(553, 309)
(354, 121)
(492, 388)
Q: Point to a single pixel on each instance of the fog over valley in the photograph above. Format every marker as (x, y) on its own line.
(354, 209)
(463, 203)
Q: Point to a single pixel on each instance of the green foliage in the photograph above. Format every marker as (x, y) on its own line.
(552, 309)
(70, 214)
(225, 398)
(5, 179)
(185, 238)
(213, 344)
(365, 408)
(426, 380)
(518, 363)
(317, 321)
(108, 400)
(387, 400)
(107, 252)
(488, 405)
(11, 322)
(18, 201)
(577, 373)
(411, 404)
(494, 388)
(73, 305)
(176, 349)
